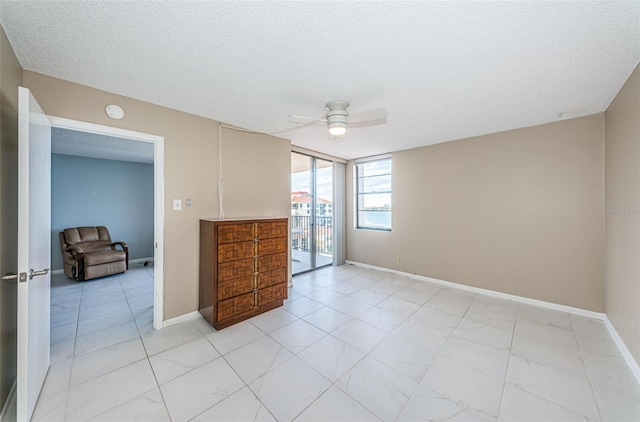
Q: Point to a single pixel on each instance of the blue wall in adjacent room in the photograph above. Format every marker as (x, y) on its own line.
(93, 192)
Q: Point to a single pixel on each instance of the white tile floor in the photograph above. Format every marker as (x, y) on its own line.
(349, 344)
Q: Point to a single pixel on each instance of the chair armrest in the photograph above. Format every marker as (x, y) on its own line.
(125, 248)
(123, 244)
(75, 251)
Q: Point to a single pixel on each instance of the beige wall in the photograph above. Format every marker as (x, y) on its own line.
(10, 79)
(519, 212)
(256, 170)
(191, 170)
(622, 201)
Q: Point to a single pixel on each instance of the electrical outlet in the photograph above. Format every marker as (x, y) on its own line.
(399, 260)
(177, 204)
(188, 202)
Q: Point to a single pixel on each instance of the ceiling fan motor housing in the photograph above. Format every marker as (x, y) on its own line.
(337, 114)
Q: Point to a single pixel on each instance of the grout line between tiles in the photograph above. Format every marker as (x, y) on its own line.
(586, 370)
(506, 370)
(438, 353)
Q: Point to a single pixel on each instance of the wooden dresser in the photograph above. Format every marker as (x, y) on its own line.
(243, 268)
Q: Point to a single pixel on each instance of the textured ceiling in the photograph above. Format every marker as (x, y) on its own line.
(444, 70)
(83, 144)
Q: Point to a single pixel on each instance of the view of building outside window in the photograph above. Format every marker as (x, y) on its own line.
(301, 207)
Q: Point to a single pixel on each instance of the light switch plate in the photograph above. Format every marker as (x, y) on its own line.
(177, 204)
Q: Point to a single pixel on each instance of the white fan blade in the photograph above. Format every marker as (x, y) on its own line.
(363, 116)
(317, 119)
(368, 123)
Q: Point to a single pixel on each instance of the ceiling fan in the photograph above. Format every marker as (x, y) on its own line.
(338, 118)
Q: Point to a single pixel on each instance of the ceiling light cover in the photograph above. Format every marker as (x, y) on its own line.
(337, 130)
(115, 112)
(336, 139)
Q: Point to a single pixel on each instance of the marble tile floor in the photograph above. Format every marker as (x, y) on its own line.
(350, 344)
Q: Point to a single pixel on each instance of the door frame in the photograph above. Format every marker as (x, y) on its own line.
(313, 178)
(158, 207)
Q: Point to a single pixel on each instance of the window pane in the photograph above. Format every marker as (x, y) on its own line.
(301, 183)
(373, 193)
(375, 219)
(374, 168)
(375, 201)
(324, 212)
(375, 184)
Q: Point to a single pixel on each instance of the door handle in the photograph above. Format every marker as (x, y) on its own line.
(13, 276)
(37, 273)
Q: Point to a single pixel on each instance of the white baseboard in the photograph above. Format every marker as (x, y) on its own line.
(140, 260)
(9, 408)
(191, 316)
(631, 362)
(492, 293)
(626, 353)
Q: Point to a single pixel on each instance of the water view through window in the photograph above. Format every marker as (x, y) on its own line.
(374, 194)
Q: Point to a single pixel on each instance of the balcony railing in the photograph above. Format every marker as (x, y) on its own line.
(301, 233)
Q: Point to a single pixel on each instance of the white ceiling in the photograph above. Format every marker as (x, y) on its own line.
(444, 70)
(84, 144)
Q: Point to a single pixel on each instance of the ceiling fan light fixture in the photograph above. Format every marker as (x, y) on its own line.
(338, 117)
(337, 129)
(336, 139)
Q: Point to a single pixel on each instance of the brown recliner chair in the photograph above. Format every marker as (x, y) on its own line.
(88, 252)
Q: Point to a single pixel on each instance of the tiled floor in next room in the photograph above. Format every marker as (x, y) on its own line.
(349, 344)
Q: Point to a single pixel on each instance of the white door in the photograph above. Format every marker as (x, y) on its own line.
(34, 248)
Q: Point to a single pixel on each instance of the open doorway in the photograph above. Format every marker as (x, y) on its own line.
(120, 143)
(312, 216)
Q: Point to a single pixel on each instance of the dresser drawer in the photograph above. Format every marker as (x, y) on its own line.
(237, 286)
(271, 246)
(229, 233)
(236, 305)
(234, 269)
(235, 251)
(269, 278)
(272, 262)
(274, 229)
(272, 294)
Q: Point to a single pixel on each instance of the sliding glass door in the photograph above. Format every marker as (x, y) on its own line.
(301, 212)
(324, 212)
(311, 212)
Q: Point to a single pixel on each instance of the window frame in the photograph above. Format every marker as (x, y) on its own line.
(358, 194)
